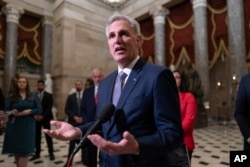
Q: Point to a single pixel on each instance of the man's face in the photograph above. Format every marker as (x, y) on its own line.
(40, 86)
(123, 42)
(78, 86)
(177, 77)
(97, 76)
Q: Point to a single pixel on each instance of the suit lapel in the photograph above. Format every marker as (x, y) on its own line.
(132, 81)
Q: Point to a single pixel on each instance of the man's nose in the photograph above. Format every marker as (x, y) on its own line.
(118, 39)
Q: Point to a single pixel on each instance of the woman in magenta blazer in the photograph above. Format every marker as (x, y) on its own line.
(188, 111)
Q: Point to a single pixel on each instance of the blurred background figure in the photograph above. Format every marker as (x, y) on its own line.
(13, 83)
(89, 82)
(43, 120)
(19, 139)
(72, 109)
(88, 109)
(3, 120)
(188, 111)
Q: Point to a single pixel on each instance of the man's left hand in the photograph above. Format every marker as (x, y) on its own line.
(128, 145)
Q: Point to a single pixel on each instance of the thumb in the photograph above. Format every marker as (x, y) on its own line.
(128, 136)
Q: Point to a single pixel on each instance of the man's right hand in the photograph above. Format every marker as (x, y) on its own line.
(64, 131)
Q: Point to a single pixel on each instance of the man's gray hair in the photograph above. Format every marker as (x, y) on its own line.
(133, 23)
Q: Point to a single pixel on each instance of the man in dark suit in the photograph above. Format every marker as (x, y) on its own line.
(242, 109)
(88, 109)
(43, 120)
(72, 109)
(147, 123)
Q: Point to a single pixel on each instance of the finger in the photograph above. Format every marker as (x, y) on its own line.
(55, 123)
(96, 140)
(128, 136)
(47, 131)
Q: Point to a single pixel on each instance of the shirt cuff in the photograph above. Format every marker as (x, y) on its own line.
(79, 133)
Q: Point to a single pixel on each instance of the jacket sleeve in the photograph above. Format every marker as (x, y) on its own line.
(190, 113)
(47, 107)
(37, 109)
(242, 107)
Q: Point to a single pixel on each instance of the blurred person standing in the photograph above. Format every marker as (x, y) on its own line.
(88, 109)
(43, 120)
(188, 111)
(242, 110)
(4, 119)
(2, 100)
(89, 82)
(19, 139)
(73, 111)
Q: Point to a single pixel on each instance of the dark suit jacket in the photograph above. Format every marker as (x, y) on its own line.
(71, 109)
(47, 103)
(242, 109)
(88, 107)
(149, 108)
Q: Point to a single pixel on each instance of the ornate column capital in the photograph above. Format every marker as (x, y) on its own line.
(12, 12)
(199, 3)
(159, 14)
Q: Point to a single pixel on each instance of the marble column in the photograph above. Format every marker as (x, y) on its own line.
(13, 13)
(236, 40)
(201, 45)
(159, 14)
(47, 47)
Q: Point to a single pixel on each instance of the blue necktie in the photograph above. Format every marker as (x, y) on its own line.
(118, 86)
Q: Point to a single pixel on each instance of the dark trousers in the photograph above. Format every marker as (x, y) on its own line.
(190, 155)
(179, 157)
(91, 155)
(46, 125)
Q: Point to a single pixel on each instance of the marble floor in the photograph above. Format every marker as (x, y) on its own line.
(213, 145)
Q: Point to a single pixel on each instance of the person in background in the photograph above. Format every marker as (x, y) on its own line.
(13, 83)
(43, 120)
(188, 111)
(89, 82)
(73, 111)
(3, 119)
(242, 110)
(19, 139)
(2, 100)
(88, 109)
(146, 124)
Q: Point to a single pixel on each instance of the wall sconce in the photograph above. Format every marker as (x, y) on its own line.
(235, 82)
(219, 85)
(234, 77)
(206, 105)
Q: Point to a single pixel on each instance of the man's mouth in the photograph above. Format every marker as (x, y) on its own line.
(119, 49)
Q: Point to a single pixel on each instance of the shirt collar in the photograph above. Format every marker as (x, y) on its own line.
(129, 68)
